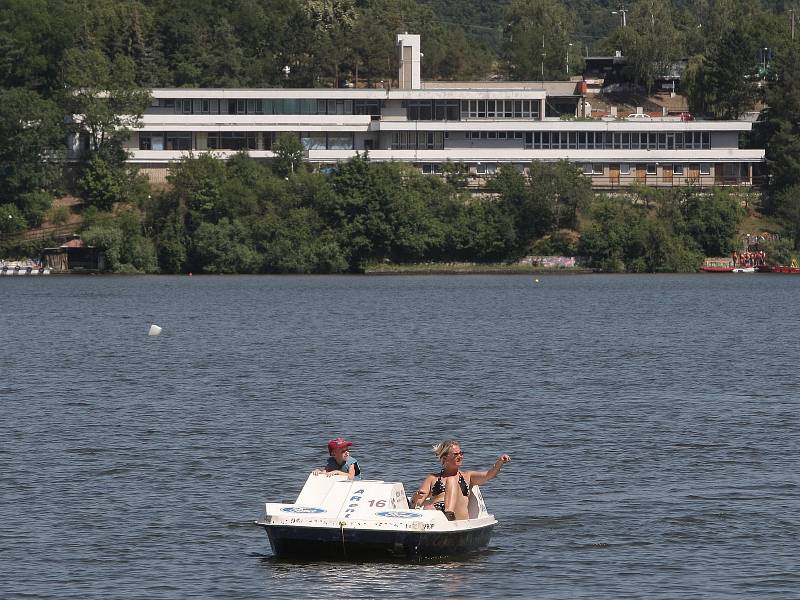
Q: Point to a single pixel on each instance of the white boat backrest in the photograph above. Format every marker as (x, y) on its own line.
(351, 499)
(476, 507)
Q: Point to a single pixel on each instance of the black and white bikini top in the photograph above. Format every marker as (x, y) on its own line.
(438, 487)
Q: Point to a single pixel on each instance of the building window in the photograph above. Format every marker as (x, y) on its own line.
(342, 141)
(499, 109)
(677, 169)
(705, 168)
(587, 169)
(179, 140)
(731, 171)
(145, 142)
(366, 107)
(233, 140)
(255, 107)
(597, 169)
(313, 141)
(624, 169)
(651, 169)
(423, 140)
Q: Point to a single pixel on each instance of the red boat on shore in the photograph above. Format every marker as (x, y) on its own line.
(717, 265)
(778, 269)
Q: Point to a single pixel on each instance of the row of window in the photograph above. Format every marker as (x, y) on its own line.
(418, 140)
(416, 110)
(280, 106)
(495, 135)
(242, 140)
(728, 171)
(500, 109)
(650, 168)
(600, 140)
(327, 141)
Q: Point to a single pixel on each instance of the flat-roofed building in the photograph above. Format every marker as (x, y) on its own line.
(481, 124)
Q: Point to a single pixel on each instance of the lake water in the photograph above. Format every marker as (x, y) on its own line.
(653, 423)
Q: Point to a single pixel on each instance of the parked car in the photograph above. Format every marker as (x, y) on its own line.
(637, 117)
(685, 116)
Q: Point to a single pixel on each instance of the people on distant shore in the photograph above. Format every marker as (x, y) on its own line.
(448, 489)
(340, 461)
(749, 258)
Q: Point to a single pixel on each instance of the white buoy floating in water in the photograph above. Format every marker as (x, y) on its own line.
(154, 330)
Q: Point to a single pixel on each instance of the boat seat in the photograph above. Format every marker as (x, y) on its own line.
(475, 503)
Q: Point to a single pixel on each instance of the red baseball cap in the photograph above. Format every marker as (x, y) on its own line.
(338, 444)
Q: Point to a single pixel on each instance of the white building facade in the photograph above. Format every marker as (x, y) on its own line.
(483, 125)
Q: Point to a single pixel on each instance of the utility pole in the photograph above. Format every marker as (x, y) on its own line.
(568, 47)
(543, 55)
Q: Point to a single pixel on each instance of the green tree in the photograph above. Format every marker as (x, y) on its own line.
(289, 154)
(31, 144)
(224, 247)
(650, 42)
(103, 95)
(780, 131)
(789, 212)
(729, 77)
(108, 238)
(536, 39)
(11, 219)
(563, 188)
(712, 219)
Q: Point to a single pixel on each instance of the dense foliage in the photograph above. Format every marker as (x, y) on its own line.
(96, 58)
(243, 216)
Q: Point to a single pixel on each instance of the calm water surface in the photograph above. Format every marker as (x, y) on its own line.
(653, 423)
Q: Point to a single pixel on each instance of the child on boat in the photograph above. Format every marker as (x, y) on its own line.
(340, 460)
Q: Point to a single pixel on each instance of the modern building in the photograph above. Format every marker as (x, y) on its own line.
(427, 123)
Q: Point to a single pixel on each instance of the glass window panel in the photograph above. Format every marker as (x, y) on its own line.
(313, 141)
(179, 140)
(340, 141)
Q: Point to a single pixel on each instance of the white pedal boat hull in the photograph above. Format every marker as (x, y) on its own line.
(335, 518)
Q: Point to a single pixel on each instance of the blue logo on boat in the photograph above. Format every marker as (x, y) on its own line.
(302, 509)
(399, 514)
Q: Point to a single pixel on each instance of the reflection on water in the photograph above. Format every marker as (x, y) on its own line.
(653, 424)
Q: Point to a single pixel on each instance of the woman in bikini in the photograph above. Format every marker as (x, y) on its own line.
(448, 490)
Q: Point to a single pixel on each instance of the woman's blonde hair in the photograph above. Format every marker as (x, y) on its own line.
(443, 449)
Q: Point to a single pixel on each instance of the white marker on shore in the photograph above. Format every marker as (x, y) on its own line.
(154, 330)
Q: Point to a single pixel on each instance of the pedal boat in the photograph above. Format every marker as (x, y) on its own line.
(336, 518)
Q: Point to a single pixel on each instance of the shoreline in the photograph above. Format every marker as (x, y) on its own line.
(470, 269)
